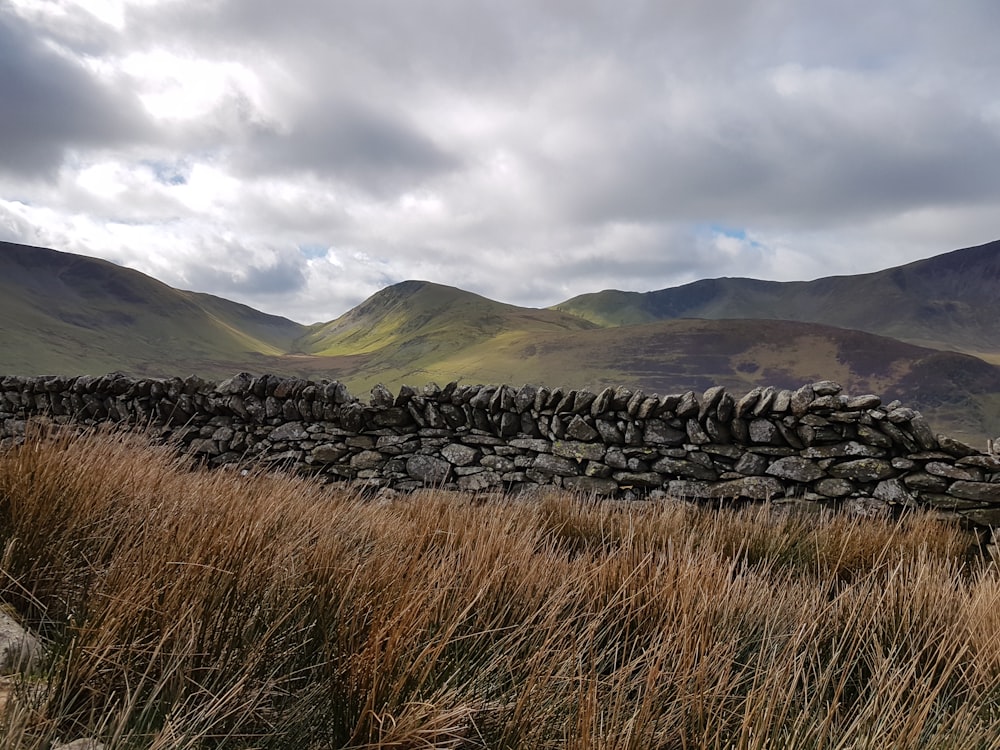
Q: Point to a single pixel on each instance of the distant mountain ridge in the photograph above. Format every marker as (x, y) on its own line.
(63, 313)
(950, 301)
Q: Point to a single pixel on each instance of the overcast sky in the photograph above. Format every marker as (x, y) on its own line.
(300, 155)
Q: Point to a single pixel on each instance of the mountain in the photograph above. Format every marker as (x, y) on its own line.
(68, 313)
(950, 302)
(62, 313)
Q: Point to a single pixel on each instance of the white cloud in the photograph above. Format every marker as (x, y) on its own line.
(300, 157)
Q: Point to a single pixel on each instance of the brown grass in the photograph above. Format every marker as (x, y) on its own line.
(187, 609)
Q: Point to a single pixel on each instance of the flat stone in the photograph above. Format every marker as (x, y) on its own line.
(838, 450)
(289, 431)
(680, 468)
(949, 502)
(954, 447)
(965, 473)
(459, 455)
(578, 450)
(834, 487)
(747, 402)
(893, 491)
(990, 463)
(484, 480)
(367, 460)
(640, 479)
(658, 432)
(796, 469)
(591, 485)
(985, 491)
(863, 470)
(863, 403)
(531, 444)
(327, 453)
(554, 465)
(428, 469)
(985, 517)
(826, 388)
(578, 429)
(752, 488)
(921, 481)
(751, 464)
(710, 401)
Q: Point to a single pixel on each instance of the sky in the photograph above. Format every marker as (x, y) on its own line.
(300, 155)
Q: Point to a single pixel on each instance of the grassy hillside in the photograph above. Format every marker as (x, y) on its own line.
(67, 313)
(951, 302)
(305, 617)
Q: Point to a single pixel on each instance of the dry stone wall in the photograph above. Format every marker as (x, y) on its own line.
(812, 445)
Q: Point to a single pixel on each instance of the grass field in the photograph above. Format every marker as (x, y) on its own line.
(187, 609)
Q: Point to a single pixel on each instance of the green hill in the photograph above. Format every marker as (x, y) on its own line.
(950, 302)
(67, 313)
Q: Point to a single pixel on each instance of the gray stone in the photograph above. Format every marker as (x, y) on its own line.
(609, 432)
(923, 434)
(801, 399)
(863, 470)
(862, 403)
(966, 473)
(985, 491)
(923, 482)
(752, 488)
(782, 401)
(327, 453)
(764, 432)
(680, 468)
(751, 464)
(554, 466)
(695, 433)
(834, 487)
(497, 463)
(531, 444)
(763, 405)
(578, 429)
(367, 460)
(591, 485)
(578, 451)
(954, 447)
(428, 470)
(990, 463)
(289, 431)
(20, 651)
(478, 482)
(796, 469)
(657, 432)
(849, 448)
(747, 402)
(826, 388)
(459, 455)
(597, 469)
(382, 397)
(687, 406)
(638, 479)
(710, 401)
(893, 491)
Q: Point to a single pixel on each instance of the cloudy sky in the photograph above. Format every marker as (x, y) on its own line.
(298, 156)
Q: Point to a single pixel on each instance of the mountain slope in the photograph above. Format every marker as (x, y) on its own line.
(68, 313)
(951, 301)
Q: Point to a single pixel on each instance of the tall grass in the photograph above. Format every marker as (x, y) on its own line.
(188, 609)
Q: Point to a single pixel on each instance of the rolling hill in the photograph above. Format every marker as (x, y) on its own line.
(68, 313)
(62, 313)
(950, 302)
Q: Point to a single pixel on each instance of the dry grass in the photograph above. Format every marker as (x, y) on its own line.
(189, 609)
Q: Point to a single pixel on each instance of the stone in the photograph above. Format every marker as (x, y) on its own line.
(893, 491)
(901, 415)
(531, 444)
(801, 399)
(949, 502)
(681, 468)
(609, 432)
(834, 487)
(696, 434)
(782, 401)
(554, 465)
(459, 455)
(578, 451)
(497, 463)
(724, 411)
(826, 388)
(289, 431)
(591, 485)
(382, 397)
(710, 401)
(865, 507)
(747, 402)
(862, 403)
(985, 491)
(863, 470)
(658, 432)
(85, 743)
(837, 450)
(327, 453)
(642, 480)
(687, 406)
(990, 463)
(763, 405)
(985, 517)
(922, 482)
(764, 432)
(483, 480)
(20, 651)
(752, 488)
(578, 429)
(923, 434)
(596, 469)
(428, 469)
(367, 460)
(525, 397)
(796, 469)
(954, 447)
(872, 437)
(966, 473)
(751, 464)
